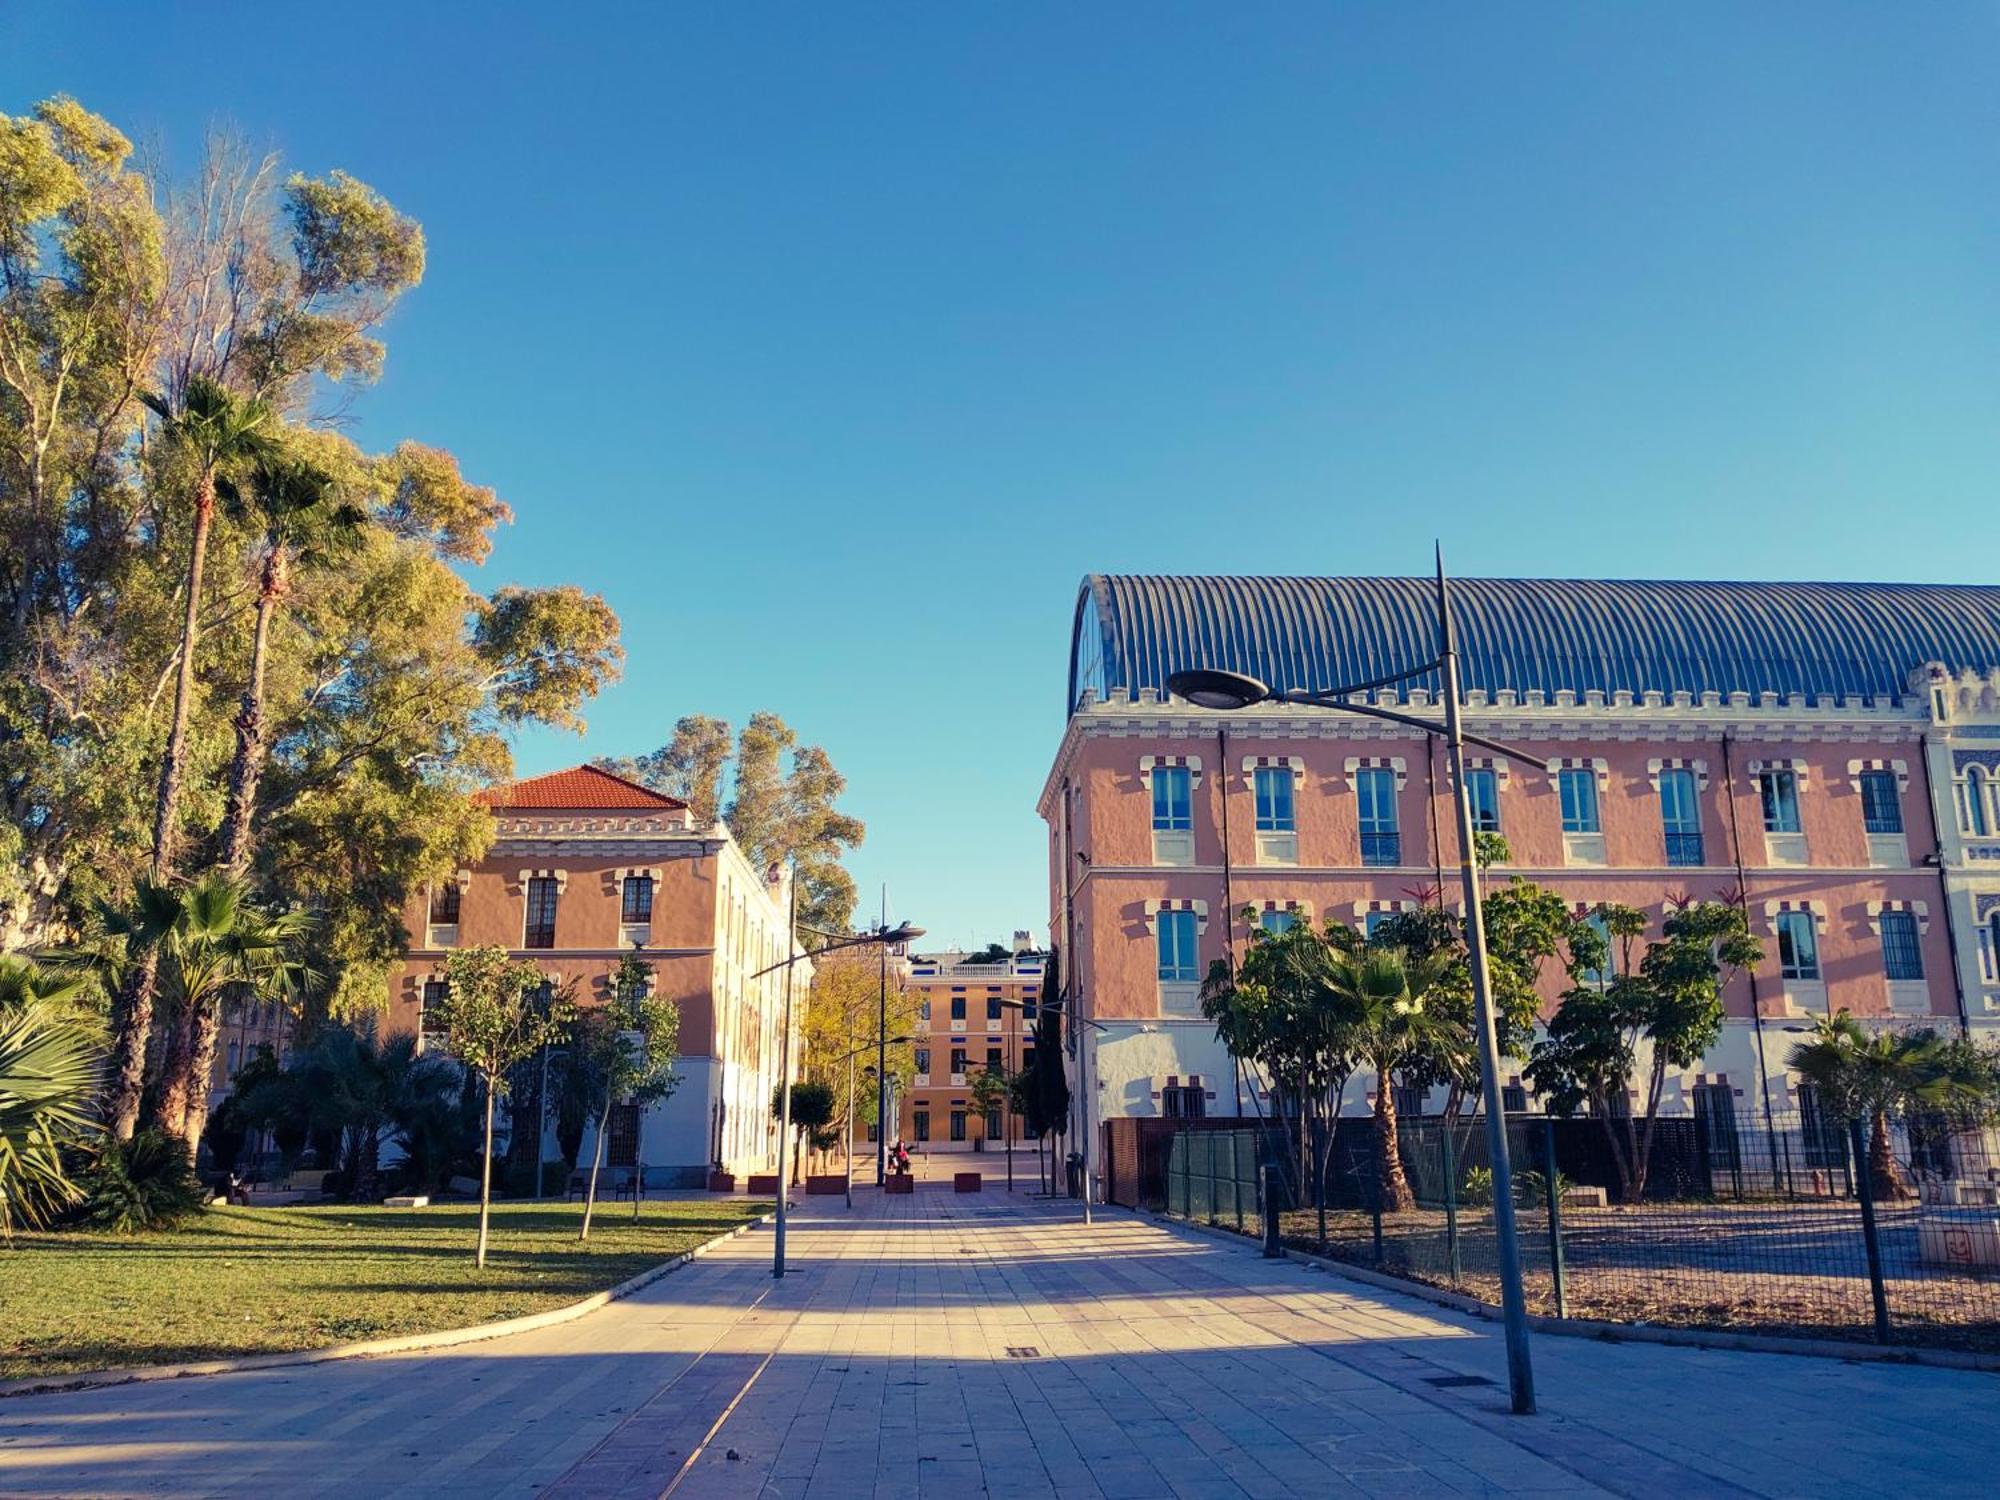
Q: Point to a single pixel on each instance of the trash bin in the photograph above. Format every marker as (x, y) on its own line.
(1074, 1163)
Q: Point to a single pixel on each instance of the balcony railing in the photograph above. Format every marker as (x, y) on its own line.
(1381, 848)
(1684, 848)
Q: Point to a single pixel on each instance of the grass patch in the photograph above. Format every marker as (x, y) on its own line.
(265, 1280)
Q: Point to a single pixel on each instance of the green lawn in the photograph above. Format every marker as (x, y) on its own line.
(259, 1280)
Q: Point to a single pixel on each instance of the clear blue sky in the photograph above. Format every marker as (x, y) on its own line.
(834, 343)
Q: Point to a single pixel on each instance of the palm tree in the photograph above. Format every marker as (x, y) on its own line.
(214, 430)
(48, 1072)
(304, 523)
(1385, 993)
(202, 939)
(1863, 1075)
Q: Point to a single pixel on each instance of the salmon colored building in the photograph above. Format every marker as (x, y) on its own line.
(1828, 751)
(586, 867)
(972, 1015)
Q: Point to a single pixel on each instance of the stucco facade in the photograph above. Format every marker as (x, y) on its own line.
(584, 868)
(970, 1016)
(1846, 813)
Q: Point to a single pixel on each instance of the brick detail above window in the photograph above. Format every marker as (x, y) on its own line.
(1919, 909)
(1155, 907)
(1900, 767)
(1191, 762)
(1394, 763)
(1699, 767)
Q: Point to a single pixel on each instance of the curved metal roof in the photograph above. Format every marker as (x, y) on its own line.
(1851, 640)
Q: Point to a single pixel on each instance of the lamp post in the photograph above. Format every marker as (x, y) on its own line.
(789, 963)
(1208, 688)
(847, 1155)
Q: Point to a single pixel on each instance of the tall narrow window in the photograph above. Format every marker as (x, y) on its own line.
(922, 1058)
(1274, 800)
(1173, 803)
(1902, 955)
(1600, 977)
(541, 912)
(444, 904)
(994, 1010)
(1881, 803)
(993, 1062)
(1974, 817)
(1779, 792)
(958, 1124)
(1798, 945)
(920, 1123)
(1578, 788)
(1375, 802)
(1482, 790)
(1177, 947)
(958, 1056)
(1715, 1108)
(433, 998)
(1680, 813)
(637, 906)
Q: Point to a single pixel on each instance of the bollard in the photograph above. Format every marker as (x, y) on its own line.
(1272, 1250)
(1869, 1237)
(1555, 1216)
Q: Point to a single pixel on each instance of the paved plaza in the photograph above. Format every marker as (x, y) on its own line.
(954, 1346)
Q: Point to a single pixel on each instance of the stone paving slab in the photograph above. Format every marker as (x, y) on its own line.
(937, 1346)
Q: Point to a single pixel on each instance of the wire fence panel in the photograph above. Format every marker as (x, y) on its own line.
(1796, 1225)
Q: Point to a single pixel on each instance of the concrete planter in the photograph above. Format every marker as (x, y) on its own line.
(722, 1182)
(967, 1182)
(763, 1184)
(900, 1182)
(825, 1185)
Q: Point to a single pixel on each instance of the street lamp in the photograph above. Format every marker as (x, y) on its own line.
(1211, 688)
(789, 963)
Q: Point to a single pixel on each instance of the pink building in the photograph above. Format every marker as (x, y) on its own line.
(1826, 749)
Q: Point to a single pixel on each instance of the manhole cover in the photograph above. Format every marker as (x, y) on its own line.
(1453, 1382)
(1023, 1351)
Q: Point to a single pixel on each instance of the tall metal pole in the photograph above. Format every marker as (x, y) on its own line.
(882, 1056)
(847, 1153)
(785, 1077)
(1514, 1311)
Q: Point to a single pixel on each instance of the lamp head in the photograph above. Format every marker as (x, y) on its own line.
(907, 932)
(1208, 687)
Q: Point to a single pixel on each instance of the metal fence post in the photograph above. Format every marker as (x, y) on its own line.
(1450, 1202)
(1271, 1249)
(1869, 1237)
(1555, 1216)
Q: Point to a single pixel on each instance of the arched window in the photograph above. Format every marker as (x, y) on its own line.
(1974, 815)
(1989, 949)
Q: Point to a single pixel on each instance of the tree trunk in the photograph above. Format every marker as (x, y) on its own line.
(178, 1074)
(486, 1176)
(131, 1029)
(1394, 1186)
(248, 765)
(1620, 1155)
(134, 1013)
(1885, 1176)
(596, 1161)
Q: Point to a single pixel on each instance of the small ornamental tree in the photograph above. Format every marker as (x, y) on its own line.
(631, 1046)
(493, 1018)
(1671, 1001)
(812, 1114)
(989, 1092)
(1867, 1076)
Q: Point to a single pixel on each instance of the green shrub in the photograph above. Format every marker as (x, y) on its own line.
(146, 1183)
(1478, 1189)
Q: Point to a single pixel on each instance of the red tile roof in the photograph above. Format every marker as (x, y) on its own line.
(578, 788)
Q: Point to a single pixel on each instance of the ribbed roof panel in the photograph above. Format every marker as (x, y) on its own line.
(1848, 640)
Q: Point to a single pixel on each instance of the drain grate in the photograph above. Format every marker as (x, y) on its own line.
(1454, 1382)
(1023, 1351)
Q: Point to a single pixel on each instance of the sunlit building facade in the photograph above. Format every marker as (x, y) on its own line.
(1826, 754)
